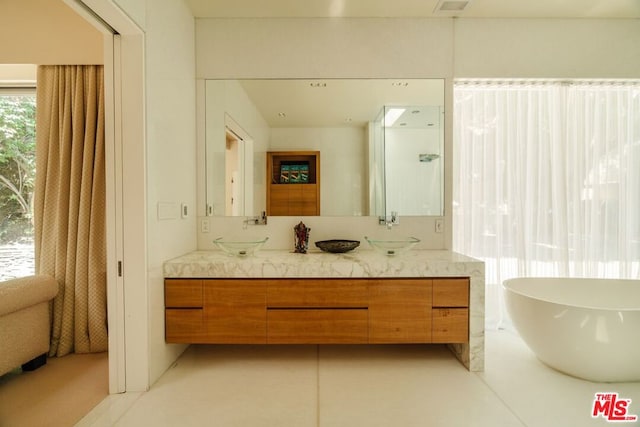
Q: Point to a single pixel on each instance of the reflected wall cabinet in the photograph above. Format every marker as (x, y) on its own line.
(294, 183)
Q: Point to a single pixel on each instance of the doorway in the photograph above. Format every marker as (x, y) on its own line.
(239, 175)
(234, 176)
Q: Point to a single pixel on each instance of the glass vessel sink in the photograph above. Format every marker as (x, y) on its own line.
(392, 247)
(239, 247)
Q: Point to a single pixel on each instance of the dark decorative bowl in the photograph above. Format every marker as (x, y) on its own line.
(338, 246)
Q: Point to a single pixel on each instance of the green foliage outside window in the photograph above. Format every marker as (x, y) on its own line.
(17, 167)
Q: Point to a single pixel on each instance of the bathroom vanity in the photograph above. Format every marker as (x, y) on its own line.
(317, 311)
(278, 297)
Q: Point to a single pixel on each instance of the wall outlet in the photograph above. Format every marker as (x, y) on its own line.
(439, 225)
(204, 225)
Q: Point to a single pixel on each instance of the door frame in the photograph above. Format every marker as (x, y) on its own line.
(125, 204)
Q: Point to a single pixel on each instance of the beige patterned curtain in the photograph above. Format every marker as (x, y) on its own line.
(70, 203)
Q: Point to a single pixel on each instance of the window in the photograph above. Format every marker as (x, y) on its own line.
(17, 181)
(546, 180)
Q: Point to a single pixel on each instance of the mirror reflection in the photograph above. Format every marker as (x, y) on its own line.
(324, 147)
(412, 138)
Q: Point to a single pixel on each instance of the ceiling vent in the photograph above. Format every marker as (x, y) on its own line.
(451, 7)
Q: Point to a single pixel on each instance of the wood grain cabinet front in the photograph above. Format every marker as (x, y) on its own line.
(183, 293)
(293, 200)
(183, 311)
(450, 310)
(184, 325)
(317, 311)
(450, 325)
(400, 311)
(317, 293)
(317, 326)
(235, 311)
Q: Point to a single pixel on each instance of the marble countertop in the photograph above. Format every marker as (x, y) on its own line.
(315, 263)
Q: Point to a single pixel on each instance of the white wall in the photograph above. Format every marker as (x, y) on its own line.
(136, 10)
(547, 48)
(440, 48)
(171, 156)
(46, 32)
(338, 48)
(18, 72)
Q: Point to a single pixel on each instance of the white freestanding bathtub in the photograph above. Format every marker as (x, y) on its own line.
(587, 328)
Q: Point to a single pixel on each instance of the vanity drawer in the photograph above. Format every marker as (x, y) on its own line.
(235, 311)
(319, 326)
(450, 325)
(182, 293)
(400, 311)
(184, 325)
(329, 293)
(451, 292)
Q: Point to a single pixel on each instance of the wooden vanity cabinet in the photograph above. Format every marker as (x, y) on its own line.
(317, 311)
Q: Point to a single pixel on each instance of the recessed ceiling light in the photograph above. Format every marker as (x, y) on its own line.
(392, 115)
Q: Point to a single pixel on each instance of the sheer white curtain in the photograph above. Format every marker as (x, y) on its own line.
(547, 180)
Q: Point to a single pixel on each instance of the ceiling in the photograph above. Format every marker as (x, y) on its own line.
(414, 8)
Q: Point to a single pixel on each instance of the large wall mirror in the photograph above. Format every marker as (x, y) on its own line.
(380, 144)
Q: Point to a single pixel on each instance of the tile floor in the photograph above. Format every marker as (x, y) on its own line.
(333, 386)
